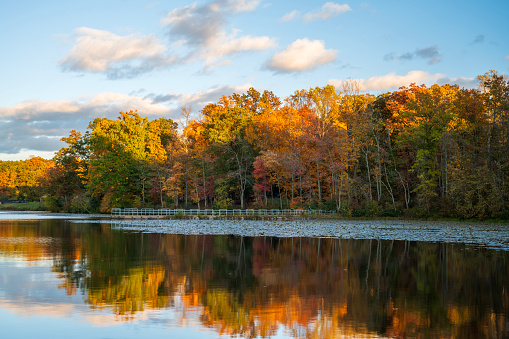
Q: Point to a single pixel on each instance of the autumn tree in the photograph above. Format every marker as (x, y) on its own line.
(495, 90)
(225, 127)
(418, 150)
(429, 114)
(21, 180)
(65, 183)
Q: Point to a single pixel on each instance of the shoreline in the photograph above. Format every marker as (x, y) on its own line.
(274, 218)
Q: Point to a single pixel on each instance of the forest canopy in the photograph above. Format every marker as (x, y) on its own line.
(420, 151)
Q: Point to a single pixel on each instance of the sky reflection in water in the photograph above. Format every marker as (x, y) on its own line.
(59, 277)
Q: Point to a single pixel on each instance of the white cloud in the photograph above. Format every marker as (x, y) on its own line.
(507, 57)
(462, 82)
(118, 56)
(103, 103)
(246, 43)
(244, 5)
(390, 81)
(393, 81)
(213, 94)
(195, 24)
(199, 99)
(301, 55)
(200, 28)
(327, 11)
(36, 126)
(290, 16)
(222, 46)
(197, 31)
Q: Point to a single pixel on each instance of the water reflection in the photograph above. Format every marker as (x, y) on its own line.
(257, 287)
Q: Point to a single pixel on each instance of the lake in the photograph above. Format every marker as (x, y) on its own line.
(68, 276)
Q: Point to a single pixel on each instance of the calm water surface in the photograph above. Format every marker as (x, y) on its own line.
(62, 278)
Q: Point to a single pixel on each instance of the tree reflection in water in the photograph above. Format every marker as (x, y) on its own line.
(312, 287)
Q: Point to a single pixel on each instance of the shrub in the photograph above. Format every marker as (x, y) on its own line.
(106, 205)
(80, 203)
(136, 203)
(372, 209)
(345, 210)
(225, 203)
(504, 215)
(52, 204)
(358, 213)
(416, 213)
(390, 213)
(329, 205)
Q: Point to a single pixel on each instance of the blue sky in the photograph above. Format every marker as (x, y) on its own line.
(64, 63)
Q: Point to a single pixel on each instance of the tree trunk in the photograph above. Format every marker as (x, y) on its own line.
(186, 179)
(369, 175)
(389, 188)
(204, 183)
(318, 182)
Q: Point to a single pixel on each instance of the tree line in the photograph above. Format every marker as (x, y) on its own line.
(420, 151)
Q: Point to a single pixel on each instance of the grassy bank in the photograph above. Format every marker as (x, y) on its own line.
(23, 206)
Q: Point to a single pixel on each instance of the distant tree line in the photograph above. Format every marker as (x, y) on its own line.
(20, 180)
(422, 151)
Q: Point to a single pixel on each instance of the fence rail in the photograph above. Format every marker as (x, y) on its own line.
(119, 212)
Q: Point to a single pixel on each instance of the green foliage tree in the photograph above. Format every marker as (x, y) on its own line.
(226, 126)
(124, 155)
